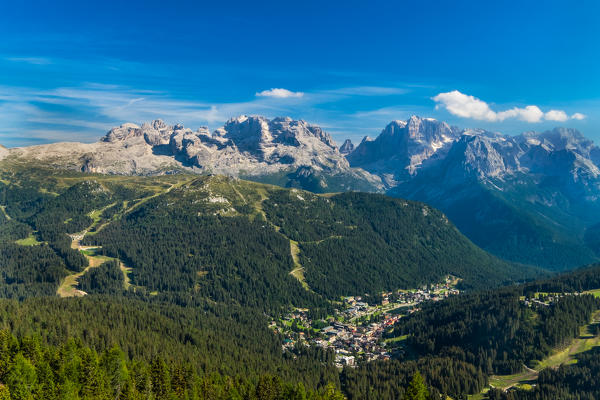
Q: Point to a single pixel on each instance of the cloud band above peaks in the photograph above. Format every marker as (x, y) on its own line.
(466, 106)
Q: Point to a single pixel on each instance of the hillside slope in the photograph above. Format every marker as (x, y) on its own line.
(235, 241)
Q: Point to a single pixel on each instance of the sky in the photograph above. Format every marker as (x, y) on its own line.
(71, 70)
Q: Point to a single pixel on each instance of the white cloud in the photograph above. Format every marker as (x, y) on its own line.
(467, 106)
(528, 114)
(556, 115)
(578, 116)
(279, 93)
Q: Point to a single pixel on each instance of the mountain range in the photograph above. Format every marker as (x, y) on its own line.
(530, 198)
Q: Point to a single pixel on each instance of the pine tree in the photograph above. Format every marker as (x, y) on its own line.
(416, 389)
(160, 378)
(22, 378)
(4, 392)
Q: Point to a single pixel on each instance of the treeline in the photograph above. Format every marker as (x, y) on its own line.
(495, 330)
(29, 369)
(579, 280)
(226, 339)
(388, 380)
(217, 341)
(29, 270)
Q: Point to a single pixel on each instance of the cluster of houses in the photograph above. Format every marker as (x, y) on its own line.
(351, 341)
(545, 299)
(355, 333)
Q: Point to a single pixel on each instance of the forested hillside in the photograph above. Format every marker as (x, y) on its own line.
(229, 240)
(358, 242)
(31, 369)
(496, 331)
(173, 282)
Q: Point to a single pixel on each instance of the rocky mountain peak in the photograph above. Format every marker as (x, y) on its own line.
(429, 130)
(403, 146)
(258, 133)
(248, 145)
(482, 156)
(347, 147)
(123, 132)
(157, 124)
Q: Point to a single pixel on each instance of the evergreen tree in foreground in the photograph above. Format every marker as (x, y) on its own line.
(416, 389)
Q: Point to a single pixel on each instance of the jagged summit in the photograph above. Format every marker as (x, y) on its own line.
(250, 146)
(347, 147)
(405, 149)
(403, 146)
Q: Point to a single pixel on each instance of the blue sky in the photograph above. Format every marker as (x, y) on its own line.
(71, 70)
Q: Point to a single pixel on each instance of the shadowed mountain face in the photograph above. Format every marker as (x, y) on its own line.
(527, 198)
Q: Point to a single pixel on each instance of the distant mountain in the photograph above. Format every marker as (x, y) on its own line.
(527, 198)
(280, 151)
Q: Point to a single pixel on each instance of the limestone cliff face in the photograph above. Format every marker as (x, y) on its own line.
(246, 145)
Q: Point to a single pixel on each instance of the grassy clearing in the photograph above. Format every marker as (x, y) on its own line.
(595, 292)
(126, 279)
(396, 339)
(556, 359)
(479, 396)
(28, 241)
(3, 209)
(507, 381)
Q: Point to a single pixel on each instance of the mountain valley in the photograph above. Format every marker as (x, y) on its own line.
(196, 281)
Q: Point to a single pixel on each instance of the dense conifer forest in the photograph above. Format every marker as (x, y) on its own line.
(496, 331)
(180, 276)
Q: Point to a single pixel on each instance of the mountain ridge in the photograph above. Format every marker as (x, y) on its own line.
(282, 150)
(540, 188)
